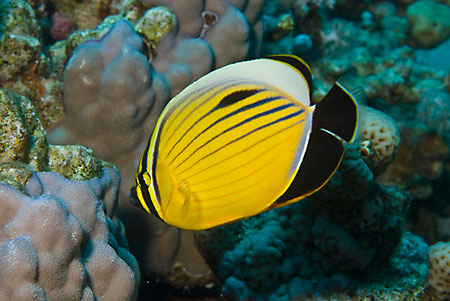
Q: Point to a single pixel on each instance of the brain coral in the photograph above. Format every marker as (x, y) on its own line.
(379, 137)
(439, 271)
(63, 241)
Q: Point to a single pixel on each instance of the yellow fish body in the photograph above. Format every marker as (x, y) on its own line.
(241, 140)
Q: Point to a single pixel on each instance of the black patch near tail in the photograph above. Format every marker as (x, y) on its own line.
(337, 113)
(322, 157)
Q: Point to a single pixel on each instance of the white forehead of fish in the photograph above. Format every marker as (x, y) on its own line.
(271, 72)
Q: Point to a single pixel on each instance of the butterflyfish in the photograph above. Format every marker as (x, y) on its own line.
(241, 140)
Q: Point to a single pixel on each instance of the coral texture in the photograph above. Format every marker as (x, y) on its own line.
(338, 240)
(24, 148)
(379, 135)
(439, 273)
(63, 241)
(60, 238)
(370, 45)
(101, 77)
(19, 44)
(84, 14)
(293, 253)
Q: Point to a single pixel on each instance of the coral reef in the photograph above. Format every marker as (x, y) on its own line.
(101, 77)
(110, 84)
(379, 135)
(348, 228)
(20, 43)
(293, 253)
(439, 274)
(411, 86)
(338, 243)
(85, 14)
(62, 240)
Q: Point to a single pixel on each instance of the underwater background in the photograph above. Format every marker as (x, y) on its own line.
(83, 83)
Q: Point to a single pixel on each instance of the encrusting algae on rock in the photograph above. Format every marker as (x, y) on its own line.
(23, 66)
(154, 25)
(24, 149)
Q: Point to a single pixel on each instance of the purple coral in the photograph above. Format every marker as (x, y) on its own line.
(110, 85)
(64, 242)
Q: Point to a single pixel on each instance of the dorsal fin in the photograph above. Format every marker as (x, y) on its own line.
(298, 64)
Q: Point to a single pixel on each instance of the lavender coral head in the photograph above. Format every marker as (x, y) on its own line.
(109, 84)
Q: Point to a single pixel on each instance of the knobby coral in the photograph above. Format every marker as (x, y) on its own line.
(62, 240)
(59, 236)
